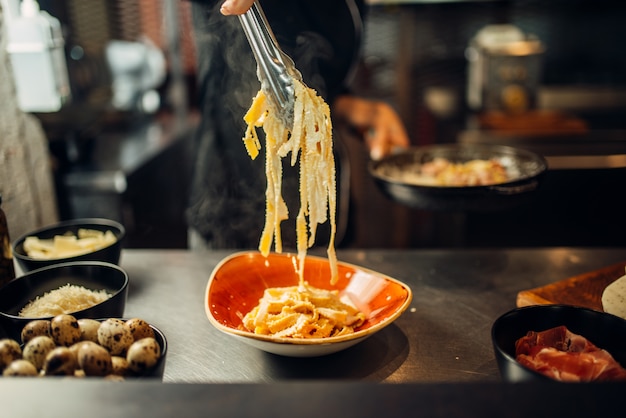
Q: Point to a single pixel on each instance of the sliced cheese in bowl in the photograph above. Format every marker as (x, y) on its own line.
(614, 298)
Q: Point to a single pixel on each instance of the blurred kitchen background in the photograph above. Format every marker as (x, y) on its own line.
(120, 146)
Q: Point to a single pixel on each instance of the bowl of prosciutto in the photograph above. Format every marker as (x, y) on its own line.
(560, 342)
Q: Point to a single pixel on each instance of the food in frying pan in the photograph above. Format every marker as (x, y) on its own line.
(310, 137)
(443, 172)
(562, 355)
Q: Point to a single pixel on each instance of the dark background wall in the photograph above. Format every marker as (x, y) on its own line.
(414, 57)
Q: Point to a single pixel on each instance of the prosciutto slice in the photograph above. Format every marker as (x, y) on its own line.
(562, 355)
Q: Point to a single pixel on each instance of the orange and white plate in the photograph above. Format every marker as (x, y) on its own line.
(238, 282)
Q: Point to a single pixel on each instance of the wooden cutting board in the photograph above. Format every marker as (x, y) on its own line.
(583, 290)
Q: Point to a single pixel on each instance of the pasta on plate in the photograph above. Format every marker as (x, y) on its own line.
(302, 312)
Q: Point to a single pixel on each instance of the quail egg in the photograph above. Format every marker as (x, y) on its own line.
(94, 360)
(89, 329)
(139, 328)
(37, 349)
(143, 355)
(65, 330)
(20, 367)
(9, 351)
(115, 336)
(74, 348)
(60, 362)
(35, 328)
(120, 366)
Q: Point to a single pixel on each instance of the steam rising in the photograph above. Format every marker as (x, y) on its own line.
(228, 189)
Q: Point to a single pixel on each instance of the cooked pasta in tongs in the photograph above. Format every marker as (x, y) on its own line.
(275, 69)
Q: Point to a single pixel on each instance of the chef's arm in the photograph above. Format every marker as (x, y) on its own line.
(382, 129)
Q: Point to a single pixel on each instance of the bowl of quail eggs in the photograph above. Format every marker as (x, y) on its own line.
(110, 348)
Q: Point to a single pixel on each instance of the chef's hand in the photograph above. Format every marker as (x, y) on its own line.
(379, 123)
(235, 7)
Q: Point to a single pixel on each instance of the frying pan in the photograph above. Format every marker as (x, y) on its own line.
(525, 170)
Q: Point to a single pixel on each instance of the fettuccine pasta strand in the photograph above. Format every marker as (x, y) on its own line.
(310, 140)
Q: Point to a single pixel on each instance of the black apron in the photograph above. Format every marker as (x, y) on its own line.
(227, 201)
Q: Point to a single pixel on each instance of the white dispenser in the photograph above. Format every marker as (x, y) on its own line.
(35, 46)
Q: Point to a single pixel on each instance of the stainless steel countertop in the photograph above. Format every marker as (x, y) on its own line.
(444, 336)
(438, 352)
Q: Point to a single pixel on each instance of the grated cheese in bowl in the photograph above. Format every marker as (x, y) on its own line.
(64, 300)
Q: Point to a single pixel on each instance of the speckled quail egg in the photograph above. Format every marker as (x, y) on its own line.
(60, 362)
(35, 328)
(139, 328)
(37, 349)
(120, 366)
(74, 348)
(20, 367)
(65, 330)
(89, 329)
(143, 355)
(9, 351)
(94, 360)
(115, 336)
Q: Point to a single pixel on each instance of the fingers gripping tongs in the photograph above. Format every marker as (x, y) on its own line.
(275, 69)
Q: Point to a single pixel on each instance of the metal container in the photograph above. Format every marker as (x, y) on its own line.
(504, 69)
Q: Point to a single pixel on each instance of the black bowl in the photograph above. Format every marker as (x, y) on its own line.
(604, 330)
(525, 169)
(93, 275)
(109, 254)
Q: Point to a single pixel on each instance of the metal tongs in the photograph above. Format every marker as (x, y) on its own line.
(275, 69)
